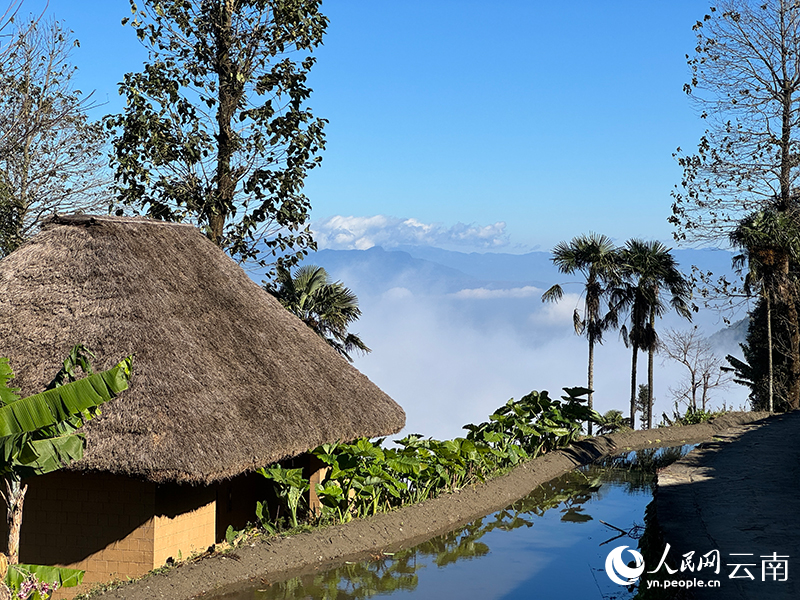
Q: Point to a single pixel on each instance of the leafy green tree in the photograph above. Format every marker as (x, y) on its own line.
(40, 433)
(327, 307)
(769, 240)
(650, 273)
(766, 373)
(643, 404)
(215, 130)
(596, 257)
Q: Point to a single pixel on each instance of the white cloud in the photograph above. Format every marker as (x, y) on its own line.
(559, 313)
(445, 371)
(397, 293)
(361, 233)
(528, 291)
(452, 358)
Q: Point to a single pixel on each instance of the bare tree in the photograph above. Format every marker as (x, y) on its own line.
(10, 36)
(705, 369)
(6, 19)
(51, 154)
(746, 84)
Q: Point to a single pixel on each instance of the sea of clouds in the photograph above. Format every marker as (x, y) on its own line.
(450, 345)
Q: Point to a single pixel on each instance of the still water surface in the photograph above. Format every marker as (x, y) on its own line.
(550, 544)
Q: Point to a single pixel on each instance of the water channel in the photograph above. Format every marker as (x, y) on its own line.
(551, 544)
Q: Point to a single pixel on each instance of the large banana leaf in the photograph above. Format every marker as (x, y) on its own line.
(47, 455)
(39, 434)
(61, 403)
(7, 394)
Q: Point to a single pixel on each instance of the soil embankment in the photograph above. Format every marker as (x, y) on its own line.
(741, 499)
(275, 559)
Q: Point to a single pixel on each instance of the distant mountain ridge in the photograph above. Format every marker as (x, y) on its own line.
(449, 271)
(377, 270)
(533, 266)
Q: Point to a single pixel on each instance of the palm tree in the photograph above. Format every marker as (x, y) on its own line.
(649, 272)
(326, 307)
(596, 257)
(613, 421)
(770, 240)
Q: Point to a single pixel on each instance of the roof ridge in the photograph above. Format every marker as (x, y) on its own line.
(86, 219)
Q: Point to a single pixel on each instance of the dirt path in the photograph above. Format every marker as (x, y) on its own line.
(741, 498)
(276, 559)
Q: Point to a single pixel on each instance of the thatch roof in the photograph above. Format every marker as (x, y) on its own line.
(225, 379)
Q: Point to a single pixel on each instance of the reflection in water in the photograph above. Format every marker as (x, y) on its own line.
(618, 488)
(638, 468)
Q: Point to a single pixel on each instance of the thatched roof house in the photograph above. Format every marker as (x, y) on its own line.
(225, 379)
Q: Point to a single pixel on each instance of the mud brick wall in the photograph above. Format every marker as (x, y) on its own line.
(110, 526)
(184, 523)
(100, 523)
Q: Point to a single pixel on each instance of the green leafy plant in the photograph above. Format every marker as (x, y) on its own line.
(533, 425)
(612, 422)
(692, 416)
(289, 486)
(364, 478)
(40, 434)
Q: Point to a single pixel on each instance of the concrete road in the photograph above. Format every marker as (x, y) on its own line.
(735, 504)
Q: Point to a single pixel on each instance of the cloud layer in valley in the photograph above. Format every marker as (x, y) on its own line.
(451, 347)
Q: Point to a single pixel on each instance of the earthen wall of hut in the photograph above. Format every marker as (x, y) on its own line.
(112, 527)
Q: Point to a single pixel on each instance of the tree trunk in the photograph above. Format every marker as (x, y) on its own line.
(794, 330)
(15, 498)
(706, 383)
(633, 386)
(788, 295)
(650, 354)
(591, 381)
(769, 352)
(230, 92)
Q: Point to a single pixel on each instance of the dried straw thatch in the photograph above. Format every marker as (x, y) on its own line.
(225, 380)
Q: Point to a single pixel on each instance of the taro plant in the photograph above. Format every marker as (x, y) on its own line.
(533, 425)
(364, 478)
(290, 485)
(358, 482)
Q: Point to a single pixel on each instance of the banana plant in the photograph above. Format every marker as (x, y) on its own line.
(40, 433)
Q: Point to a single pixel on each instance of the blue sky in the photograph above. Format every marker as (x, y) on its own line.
(553, 118)
(504, 126)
